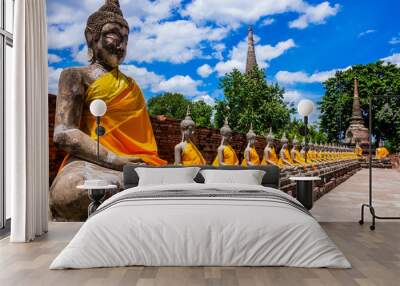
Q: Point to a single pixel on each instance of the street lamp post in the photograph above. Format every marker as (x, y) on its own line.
(98, 108)
(305, 108)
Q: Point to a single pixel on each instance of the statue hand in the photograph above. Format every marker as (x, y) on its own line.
(121, 161)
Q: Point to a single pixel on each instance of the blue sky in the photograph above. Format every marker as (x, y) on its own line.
(186, 46)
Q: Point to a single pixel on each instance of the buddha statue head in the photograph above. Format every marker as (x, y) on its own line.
(284, 141)
(187, 126)
(251, 136)
(226, 131)
(270, 137)
(106, 35)
(295, 142)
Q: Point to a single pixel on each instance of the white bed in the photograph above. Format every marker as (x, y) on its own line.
(185, 230)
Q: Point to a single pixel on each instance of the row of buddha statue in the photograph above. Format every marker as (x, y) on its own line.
(186, 153)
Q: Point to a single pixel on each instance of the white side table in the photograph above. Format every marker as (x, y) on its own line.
(304, 190)
(96, 195)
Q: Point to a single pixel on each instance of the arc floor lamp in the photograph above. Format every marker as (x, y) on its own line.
(370, 202)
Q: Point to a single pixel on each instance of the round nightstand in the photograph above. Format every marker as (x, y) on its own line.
(304, 190)
(96, 195)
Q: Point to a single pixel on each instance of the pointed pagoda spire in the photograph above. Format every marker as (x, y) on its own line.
(251, 54)
(356, 117)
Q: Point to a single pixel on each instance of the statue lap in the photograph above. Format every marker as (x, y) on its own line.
(67, 202)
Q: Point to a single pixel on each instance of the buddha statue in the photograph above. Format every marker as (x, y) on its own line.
(358, 150)
(381, 152)
(225, 153)
(285, 158)
(186, 153)
(270, 157)
(128, 137)
(295, 153)
(251, 157)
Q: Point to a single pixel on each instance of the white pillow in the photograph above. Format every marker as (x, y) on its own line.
(247, 177)
(166, 176)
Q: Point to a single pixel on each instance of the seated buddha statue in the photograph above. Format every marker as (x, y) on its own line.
(305, 150)
(296, 156)
(226, 155)
(186, 153)
(270, 157)
(128, 137)
(285, 159)
(358, 151)
(251, 157)
(381, 152)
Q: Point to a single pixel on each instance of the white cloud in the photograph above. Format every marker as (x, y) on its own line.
(53, 78)
(267, 21)
(370, 31)
(180, 84)
(145, 79)
(204, 70)
(287, 77)
(234, 13)
(68, 36)
(292, 96)
(81, 56)
(394, 59)
(206, 98)
(315, 15)
(264, 53)
(53, 58)
(176, 42)
(395, 40)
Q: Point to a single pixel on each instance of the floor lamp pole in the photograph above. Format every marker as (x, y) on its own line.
(305, 136)
(371, 208)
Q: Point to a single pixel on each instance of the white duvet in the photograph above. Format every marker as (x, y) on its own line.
(200, 231)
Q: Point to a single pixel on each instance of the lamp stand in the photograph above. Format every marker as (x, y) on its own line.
(305, 136)
(100, 131)
(369, 205)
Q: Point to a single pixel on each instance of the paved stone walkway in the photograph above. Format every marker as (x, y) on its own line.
(344, 202)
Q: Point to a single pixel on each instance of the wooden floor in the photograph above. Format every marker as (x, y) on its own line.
(374, 255)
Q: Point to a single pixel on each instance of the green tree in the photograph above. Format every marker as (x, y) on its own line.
(374, 79)
(201, 113)
(174, 105)
(249, 98)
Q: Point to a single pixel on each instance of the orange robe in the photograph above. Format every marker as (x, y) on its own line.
(254, 158)
(273, 157)
(288, 158)
(191, 155)
(358, 151)
(230, 157)
(381, 153)
(127, 123)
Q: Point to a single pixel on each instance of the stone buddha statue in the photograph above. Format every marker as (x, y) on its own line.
(270, 157)
(295, 153)
(225, 153)
(251, 157)
(381, 152)
(128, 134)
(358, 150)
(186, 153)
(285, 158)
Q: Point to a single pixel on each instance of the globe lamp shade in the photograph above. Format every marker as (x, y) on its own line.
(98, 107)
(305, 107)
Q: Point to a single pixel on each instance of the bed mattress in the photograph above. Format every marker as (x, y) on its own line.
(201, 225)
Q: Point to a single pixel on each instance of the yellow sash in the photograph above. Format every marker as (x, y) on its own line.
(127, 123)
(230, 157)
(287, 157)
(254, 158)
(191, 155)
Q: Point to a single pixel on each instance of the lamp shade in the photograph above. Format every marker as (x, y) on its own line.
(305, 107)
(98, 107)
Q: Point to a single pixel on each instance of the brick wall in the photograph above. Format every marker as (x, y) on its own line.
(167, 133)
